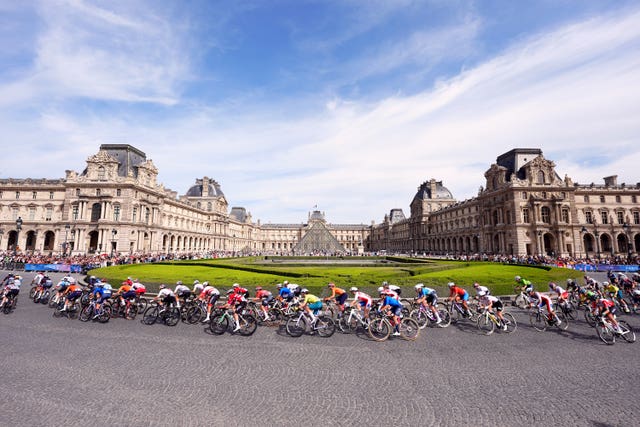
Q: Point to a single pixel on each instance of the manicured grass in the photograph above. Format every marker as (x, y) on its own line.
(223, 273)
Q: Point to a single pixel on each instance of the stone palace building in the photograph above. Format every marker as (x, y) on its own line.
(116, 205)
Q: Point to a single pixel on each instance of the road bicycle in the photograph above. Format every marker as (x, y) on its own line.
(89, 312)
(41, 295)
(71, 312)
(458, 312)
(522, 300)
(424, 316)
(351, 320)
(10, 304)
(128, 310)
(608, 333)
(380, 328)
(301, 323)
(196, 312)
(170, 316)
(223, 321)
(488, 321)
(540, 321)
(568, 309)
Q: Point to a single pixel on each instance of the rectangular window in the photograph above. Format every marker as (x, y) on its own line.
(524, 195)
(14, 213)
(118, 192)
(525, 216)
(602, 199)
(17, 195)
(116, 213)
(74, 212)
(586, 199)
(77, 192)
(636, 217)
(34, 195)
(588, 217)
(50, 195)
(98, 192)
(147, 215)
(48, 214)
(565, 215)
(32, 214)
(634, 199)
(135, 215)
(618, 199)
(620, 217)
(545, 213)
(605, 217)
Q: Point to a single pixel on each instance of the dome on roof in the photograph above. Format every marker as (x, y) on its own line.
(198, 190)
(433, 190)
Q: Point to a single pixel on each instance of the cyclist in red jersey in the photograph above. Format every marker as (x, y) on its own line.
(457, 294)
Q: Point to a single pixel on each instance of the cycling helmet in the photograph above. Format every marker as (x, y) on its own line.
(569, 280)
(481, 293)
(353, 289)
(179, 282)
(162, 286)
(380, 289)
(552, 285)
(476, 284)
(258, 288)
(195, 282)
(331, 285)
(605, 283)
(205, 283)
(286, 282)
(419, 286)
(518, 278)
(385, 284)
(451, 284)
(235, 285)
(304, 291)
(591, 296)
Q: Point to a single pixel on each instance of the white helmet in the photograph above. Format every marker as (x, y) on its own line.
(304, 291)
(419, 286)
(451, 284)
(353, 289)
(381, 289)
(518, 278)
(235, 285)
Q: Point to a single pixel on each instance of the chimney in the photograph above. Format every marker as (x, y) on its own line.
(611, 181)
(205, 186)
(432, 188)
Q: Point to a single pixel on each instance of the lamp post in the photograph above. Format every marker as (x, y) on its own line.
(64, 245)
(18, 228)
(114, 232)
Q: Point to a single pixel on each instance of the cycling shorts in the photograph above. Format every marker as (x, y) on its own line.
(129, 295)
(465, 297)
(342, 298)
(184, 294)
(46, 285)
(213, 298)
(498, 306)
(432, 299)
(364, 304)
(397, 311)
(316, 306)
(267, 300)
(169, 299)
(13, 292)
(74, 295)
(103, 298)
(241, 305)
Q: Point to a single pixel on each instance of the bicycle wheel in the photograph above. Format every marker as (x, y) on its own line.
(570, 311)
(537, 320)
(52, 301)
(485, 325)
(409, 329)
(296, 326)
(219, 323)
(379, 329)
(130, 311)
(420, 317)
(510, 322)
(172, 316)
(142, 305)
(195, 315)
(44, 298)
(445, 318)
(248, 325)
(605, 333)
(521, 301)
(325, 326)
(564, 321)
(149, 317)
(32, 292)
(590, 318)
(628, 334)
(105, 315)
(58, 311)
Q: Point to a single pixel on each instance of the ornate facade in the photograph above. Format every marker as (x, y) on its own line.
(116, 205)
(525, 208)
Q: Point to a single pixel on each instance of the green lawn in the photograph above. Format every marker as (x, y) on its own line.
(249, 273)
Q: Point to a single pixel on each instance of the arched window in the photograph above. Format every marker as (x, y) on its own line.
(540, 177)
(101, 173)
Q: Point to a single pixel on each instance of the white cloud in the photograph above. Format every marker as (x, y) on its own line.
(572, 92)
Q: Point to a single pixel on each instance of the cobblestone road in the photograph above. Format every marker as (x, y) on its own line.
(65, 372)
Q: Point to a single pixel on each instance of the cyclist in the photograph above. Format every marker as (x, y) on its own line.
(198, 287)
(165, 298)
(480, 289)
(392, 288)
(295, 288)
(387, 291)
(457, 294)
(209, 294)
(339, 295)
(72, 293)
(235, 301)
(605, 308)
(61, 287)
(544, 300)
(11, 290)
(524, 285)
(490, 302)
(126, 292)
(428, 298)
(361, 299)
(284, 293)
(395, 306)
(635, 296)
(310, 303)
(100, 293)
(182, 292)
(138, 288)
(563, 295)
(240, 290)
(616, 294)
(266, 297)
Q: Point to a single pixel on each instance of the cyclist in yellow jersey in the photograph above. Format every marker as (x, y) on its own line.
(310, 302)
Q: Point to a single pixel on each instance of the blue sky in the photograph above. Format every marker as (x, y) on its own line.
(347, 105)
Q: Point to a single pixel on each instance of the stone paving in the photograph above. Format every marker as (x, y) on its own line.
(64, 372)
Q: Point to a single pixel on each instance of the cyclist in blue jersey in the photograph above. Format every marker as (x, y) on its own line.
(395, 306)
(100, 293)
(428, 298)
(284, 293)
